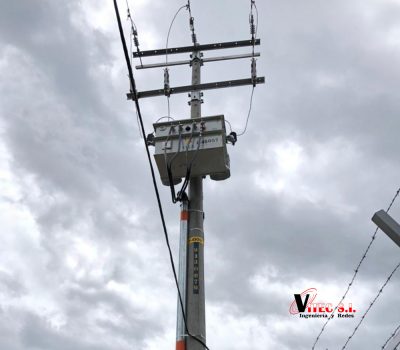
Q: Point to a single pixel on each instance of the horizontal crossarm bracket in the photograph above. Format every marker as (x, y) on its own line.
(198, 87)
(210, 59)
(206, 47)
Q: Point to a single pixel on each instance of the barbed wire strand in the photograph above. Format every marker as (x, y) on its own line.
(391, 337)
(370, 306)
(355, 274)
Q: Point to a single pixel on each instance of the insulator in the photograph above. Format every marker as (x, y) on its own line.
(166, 76)
(194, 39)
(166, 81)
(253, 71)
(252, 25)
(134, 31)
(253, 68)
(191, 22)
(136, 41)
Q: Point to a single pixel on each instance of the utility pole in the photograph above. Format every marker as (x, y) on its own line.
(191, 250)
(195, 305)
(205, 139)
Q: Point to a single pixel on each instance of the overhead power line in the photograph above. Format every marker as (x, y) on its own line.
(191, 23)
(133, 33)
(370, 306)
(134, 92)
(166, 71)
(194, 40)
(169, 32)
(133, 38)
(253, 32)
(248, 113)
(354, 275)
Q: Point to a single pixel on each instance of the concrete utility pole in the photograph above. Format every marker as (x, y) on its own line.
(195, 297)
(191, 266)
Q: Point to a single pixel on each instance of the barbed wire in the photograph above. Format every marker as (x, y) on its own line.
(391, 337)
(354, 275)
(370, 306)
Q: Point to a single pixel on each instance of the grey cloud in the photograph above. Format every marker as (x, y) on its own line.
(331, 75)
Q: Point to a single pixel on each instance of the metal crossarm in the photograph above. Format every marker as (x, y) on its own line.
(209, 59)
(197, 87)
(205, 47)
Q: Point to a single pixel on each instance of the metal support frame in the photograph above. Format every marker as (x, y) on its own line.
(205, 47)
(197, 87)
(205, 60)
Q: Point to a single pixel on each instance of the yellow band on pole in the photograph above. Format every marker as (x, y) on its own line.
(196, 239)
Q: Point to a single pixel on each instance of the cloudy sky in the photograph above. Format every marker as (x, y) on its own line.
(83, 262)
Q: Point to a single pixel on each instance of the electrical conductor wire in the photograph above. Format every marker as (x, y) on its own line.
(166, 54)
(132, 32)
(248, 114)
(253, 31)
